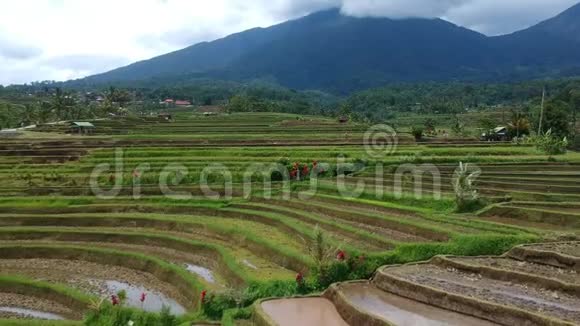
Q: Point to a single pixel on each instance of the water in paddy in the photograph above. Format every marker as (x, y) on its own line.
(402, 311)
(29, 313)
(154, 301)
(203, 272)
(303, 311)
(247, 263)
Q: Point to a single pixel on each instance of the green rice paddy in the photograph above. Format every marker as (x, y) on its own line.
(251, 245)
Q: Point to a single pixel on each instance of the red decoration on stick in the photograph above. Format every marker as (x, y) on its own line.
(299, 278)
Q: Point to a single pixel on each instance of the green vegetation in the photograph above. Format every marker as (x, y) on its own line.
(108, 315)
(401, 105)
(551, 144)
(222, 253)
(29, 322)
(466, 195)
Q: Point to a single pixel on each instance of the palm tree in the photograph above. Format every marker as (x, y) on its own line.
(519, 125)
(44, 112)
(116, 98)
(30, 114)
(62, 104)
(109, 100)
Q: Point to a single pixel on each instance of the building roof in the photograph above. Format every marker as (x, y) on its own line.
(82, 124)
(178, 102)
(500, 129)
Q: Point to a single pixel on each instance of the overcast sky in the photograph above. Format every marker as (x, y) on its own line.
(64, 39)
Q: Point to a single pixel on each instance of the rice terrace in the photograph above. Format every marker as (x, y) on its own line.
(208, 218)
(289, 163)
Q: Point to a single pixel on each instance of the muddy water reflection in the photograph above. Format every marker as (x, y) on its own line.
(303, 312)
(203, 272)
(154, 301)
(29, 313)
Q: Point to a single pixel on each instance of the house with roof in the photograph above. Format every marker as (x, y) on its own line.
(182, 103)
(500, 133)
(82, 128)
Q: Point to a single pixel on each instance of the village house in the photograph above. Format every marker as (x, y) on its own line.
(82, 128)
(182, 103)
(173, 103)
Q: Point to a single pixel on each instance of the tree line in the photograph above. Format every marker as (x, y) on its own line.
(44, 102)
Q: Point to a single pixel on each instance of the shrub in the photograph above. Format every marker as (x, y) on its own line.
(319, 249)
(430, 126)
(466, 195)
(122, 295)
(331, 273)
(284, 161)
(417, 132)
(215, 304)
(473, 205)
(333, 265)
(458, 127)
(230, 316)
(108, 315)
(551, 144)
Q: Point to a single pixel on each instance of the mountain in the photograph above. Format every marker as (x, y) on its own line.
(566, 25)
(345, 53)
(206, 56)
(551, 45)
(329, 51)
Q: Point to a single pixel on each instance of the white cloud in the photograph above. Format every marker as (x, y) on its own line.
(61, 39)
(399, 8)
(493, 17)
(16, 50)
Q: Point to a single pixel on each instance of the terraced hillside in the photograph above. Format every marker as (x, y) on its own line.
(530, 285)
(214, 240)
